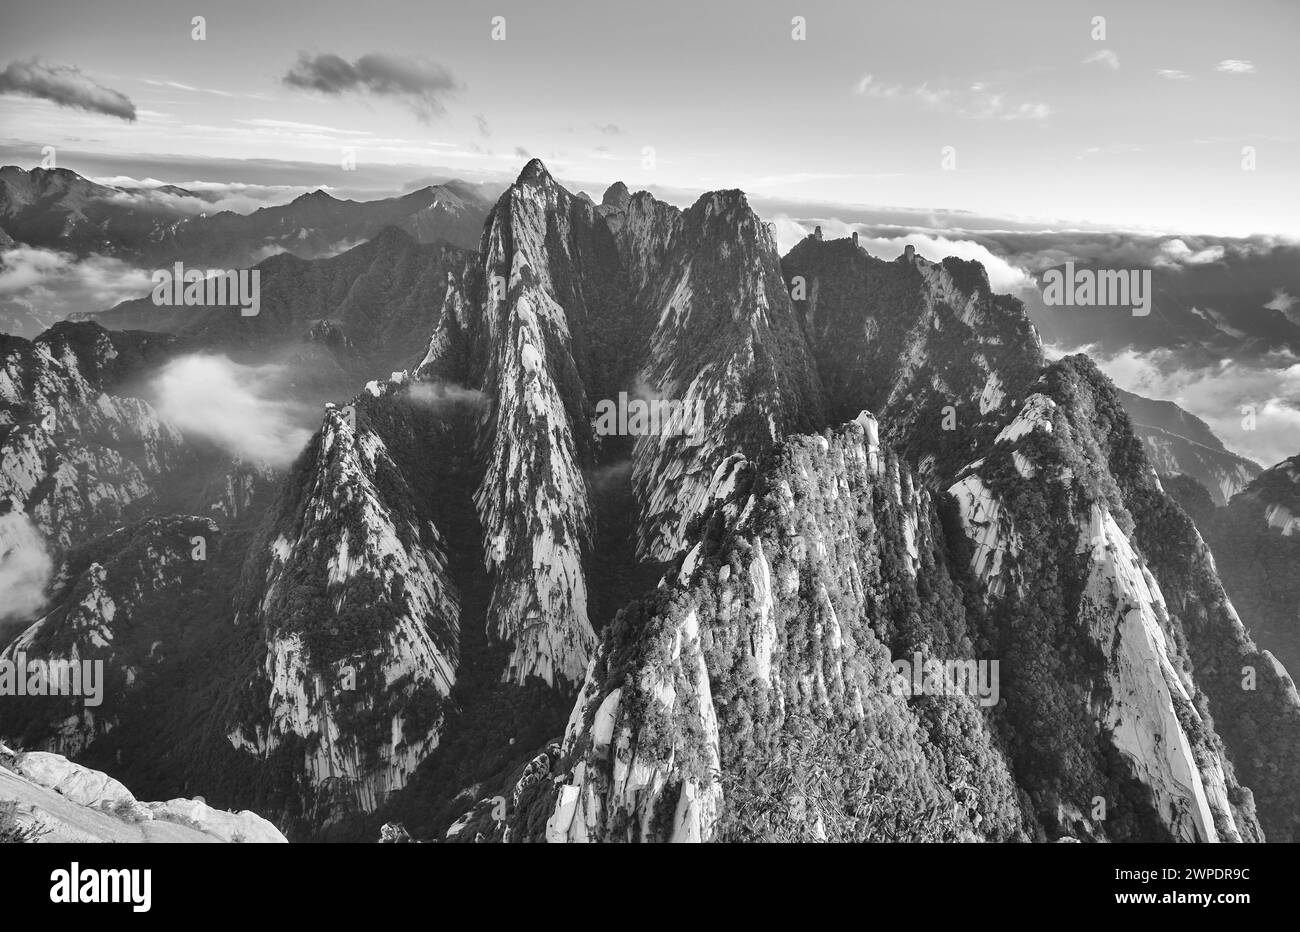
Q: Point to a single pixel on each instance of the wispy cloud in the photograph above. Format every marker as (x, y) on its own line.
(178, 86)
(1235, 66)
(304, 127)
(66, 86)
(1104, 57)
(978, 102)
(1218, 321)
(191, 89)
(445, 395)
(422, 85)
(1173, 74)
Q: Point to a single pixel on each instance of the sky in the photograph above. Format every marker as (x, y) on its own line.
(1028, 109)
(1010, 132)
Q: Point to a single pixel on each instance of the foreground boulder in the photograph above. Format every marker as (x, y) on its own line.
(57, 800)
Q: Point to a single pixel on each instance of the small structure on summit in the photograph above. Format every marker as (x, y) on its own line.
(909, 254)
(817, 233)
(855, 239)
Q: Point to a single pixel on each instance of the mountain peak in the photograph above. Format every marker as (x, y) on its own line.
(319, 196)
(729, 208)
(724, 202)
(616, 195)
(535, 173)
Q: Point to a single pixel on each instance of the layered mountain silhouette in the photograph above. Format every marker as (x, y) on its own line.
(1179, 443)
(473, 607)
(58, 211)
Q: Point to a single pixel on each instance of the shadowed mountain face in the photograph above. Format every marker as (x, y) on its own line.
(1256, 543)
(1179, 443)
(59, 209)
(355, 313)
(663, 537)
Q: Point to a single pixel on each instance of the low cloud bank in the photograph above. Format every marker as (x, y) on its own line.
(47, 285)
(1004, 276)
(441, 395)
(25, 568)
(235, 406)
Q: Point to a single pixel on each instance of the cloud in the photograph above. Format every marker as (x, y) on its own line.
(237, 407)
(609, 129)
(1235, 66)
(1285, 303)
(609, 478)
(1218, 322)
(1103, 57)
(442, 395)
(483, 128)
(1217, 394)
(976, 103)
(49, 284)
(1177, 252)
(178, 86)
(1004, 277)
(1173, 74)
(422, 85)
(199, 197)
(521, 152)
(25, 567)
(66, 86)
(295, 126)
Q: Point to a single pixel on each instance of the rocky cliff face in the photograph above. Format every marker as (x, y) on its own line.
(1112, 656)
(112, 605)
(753, 696)
(726, 347)
(912, 582)
(926, 345)
(347, 584)
(1110, 691)
(77, 454)
(1051, 510)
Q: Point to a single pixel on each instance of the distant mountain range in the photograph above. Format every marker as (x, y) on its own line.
(346, 318)
(1181, 443)
(472, 607)
(147, 229)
